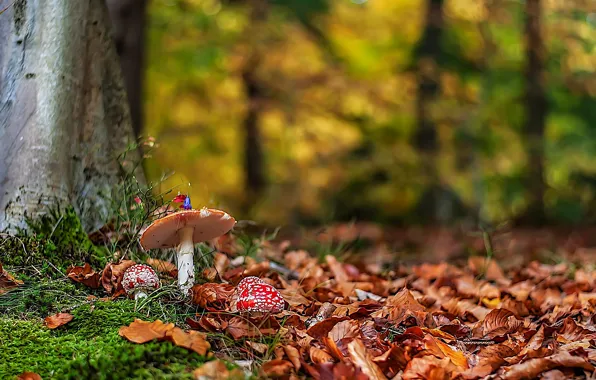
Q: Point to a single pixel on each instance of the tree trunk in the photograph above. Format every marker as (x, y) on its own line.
(436, 204)
(128, 24)
(536, 110)
(253, 149)
(63, 111)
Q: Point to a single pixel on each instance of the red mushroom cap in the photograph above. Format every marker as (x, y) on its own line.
(260, 297)
(207, 224)
(139, 276)
(248, 282)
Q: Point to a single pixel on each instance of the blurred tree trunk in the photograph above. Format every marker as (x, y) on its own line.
(536, 111)
(128, 23)
(63, 111)
(435, 205)
(255, 97)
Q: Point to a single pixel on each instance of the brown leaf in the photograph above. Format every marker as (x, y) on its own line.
(260, 348)
(84, 275)
(571, 331)
(319, 356)
(347, 329)
(29, 376)
(404, 299)
(499, 322)
(428, 368)
(212, 296)
(293, 355)
(162, 266)
(491, 270)
(488, 359)
(393, 360)
(294, 297)
(362, 359)
(241, 328)
(323, 328)
(142, 332)
(221, 263)
(111, 277)
(534, 367)
(57, 320)
(192, 340)
(442, 350)
(7, 281)
(337, 269)
(217, 370)
(276, 368)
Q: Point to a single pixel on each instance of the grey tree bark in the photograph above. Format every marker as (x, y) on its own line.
(63, 111)
(128, 24)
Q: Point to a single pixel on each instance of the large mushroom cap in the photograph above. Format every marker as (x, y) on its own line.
(207, 223)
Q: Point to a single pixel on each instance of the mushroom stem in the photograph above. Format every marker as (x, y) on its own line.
(186, 268)
(140, 294)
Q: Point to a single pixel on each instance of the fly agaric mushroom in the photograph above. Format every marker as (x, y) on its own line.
(181, 230)
(258, 296)
(138, 279)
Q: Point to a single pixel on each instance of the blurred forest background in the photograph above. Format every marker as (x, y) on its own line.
(394, 111)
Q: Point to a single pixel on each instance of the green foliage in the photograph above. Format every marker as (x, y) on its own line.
(53, 242)
(89, 347)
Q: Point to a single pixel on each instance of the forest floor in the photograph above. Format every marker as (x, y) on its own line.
(361, 302)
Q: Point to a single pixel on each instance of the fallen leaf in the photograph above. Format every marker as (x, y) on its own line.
(213, 370)
(490, 268)
(241, 328)
(111, 277)
(428, 367)
(321, 329)
(260, 348)
(142, 332)
(347, 329)
(498, 322)
(192, 340)
(84, 275)
(276, 368)
(7, 281)
(29, 376)
(293, 355)
(362, 359)
(532, 368)
(57, 320)
(405, 300)
(318, 355)
(162, 266)
(212, 296)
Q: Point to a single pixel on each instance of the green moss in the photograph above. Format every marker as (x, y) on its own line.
(42, 298)
(89, 347)
(53, 242)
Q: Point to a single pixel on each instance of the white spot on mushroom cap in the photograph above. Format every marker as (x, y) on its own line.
(205, 212)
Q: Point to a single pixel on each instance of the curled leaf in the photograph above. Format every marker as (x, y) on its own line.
(7, 281)
(142, 332)
(57, 320)
(212, 296)
(364, 360)
(111, 277)
(84, 275)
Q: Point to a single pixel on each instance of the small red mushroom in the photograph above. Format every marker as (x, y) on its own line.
(138, 279)
(258, 296)
(247, 282)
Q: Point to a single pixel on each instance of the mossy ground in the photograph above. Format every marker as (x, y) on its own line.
(89, 347)
(53, 243)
